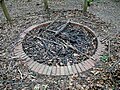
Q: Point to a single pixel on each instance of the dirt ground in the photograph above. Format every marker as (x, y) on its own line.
(103, 17)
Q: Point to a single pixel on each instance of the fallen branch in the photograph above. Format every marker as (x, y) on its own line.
(76, 50)
(109, 36)
(48, 41)
(63, 28)
(21, 75)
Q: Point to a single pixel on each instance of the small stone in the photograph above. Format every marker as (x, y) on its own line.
(75, 54)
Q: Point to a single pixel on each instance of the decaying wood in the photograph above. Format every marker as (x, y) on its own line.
(63, 28)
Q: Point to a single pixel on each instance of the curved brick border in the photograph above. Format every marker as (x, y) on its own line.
(57, 70)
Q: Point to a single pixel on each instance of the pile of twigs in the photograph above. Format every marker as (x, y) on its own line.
(61, 43)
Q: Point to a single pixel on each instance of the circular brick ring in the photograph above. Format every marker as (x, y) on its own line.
(45, 69)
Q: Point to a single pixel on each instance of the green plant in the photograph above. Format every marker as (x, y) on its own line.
(87, 3)
(104, 58)
(45, 87)
(5, 11)
(46, 5)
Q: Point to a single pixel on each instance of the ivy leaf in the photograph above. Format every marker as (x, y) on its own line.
(89, 2)
(37, 87)
(104, 58)
(33, 74)
(113, 87)
(44, 87)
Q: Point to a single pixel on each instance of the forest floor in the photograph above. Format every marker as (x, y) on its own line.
(103, 17)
